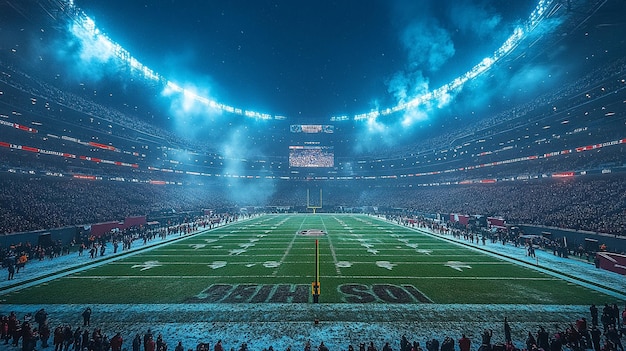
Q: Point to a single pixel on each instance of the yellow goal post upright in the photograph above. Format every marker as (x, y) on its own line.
(315, 286)
(309, 206)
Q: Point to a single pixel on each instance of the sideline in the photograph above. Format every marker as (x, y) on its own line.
(571, 270)
(48, 270)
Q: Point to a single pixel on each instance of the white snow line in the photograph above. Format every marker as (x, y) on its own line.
(377, 277)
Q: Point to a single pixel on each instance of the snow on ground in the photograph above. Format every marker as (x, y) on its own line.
(291, 325)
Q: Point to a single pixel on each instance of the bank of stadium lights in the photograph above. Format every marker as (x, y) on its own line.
(440, 95)
(190, 95)
(84, 28)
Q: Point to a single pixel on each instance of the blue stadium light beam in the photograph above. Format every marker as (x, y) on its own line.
(103, 47)
(441, 95)
(99, 47)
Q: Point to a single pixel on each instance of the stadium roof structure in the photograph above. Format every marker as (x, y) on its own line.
(399, 90)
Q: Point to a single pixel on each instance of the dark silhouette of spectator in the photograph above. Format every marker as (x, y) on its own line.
(507, 331)
(465, 343)
(594, 314)
(86, 316)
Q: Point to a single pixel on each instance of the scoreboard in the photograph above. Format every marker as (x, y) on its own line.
(312, 128)
(311, 146)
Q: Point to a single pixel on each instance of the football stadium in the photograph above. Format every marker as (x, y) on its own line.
(268, 175)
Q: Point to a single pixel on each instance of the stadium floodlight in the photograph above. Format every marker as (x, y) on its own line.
(507, 47)
(101, 47)
(84, 28)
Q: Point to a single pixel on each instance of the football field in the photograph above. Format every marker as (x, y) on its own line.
(362, 259)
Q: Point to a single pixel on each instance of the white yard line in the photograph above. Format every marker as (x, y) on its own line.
(429, 263)
(331, 247)
(293, 239)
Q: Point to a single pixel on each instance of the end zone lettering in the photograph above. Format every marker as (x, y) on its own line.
(360, 293)
(299, 293)
(253, 293)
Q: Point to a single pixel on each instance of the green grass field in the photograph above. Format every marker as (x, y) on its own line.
(264, 259)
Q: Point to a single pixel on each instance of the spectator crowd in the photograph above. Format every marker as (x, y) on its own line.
(39, 331)
(593, 203)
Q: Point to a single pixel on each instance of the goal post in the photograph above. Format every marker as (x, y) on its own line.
(315, 286)
(310, 206)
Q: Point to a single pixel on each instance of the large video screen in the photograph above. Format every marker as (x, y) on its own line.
(312, 128)
(307, 156)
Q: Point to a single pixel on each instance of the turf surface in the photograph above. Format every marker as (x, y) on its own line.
(362, 260)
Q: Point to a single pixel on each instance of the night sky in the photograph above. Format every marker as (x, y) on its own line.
(309, 60)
